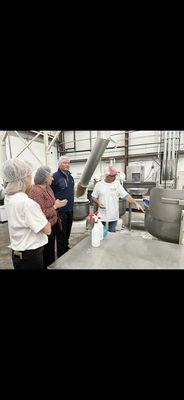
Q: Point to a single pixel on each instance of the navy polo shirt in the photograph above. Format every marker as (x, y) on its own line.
(63, 188)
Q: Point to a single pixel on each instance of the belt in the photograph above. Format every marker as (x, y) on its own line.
(18, 254)
(21, 253)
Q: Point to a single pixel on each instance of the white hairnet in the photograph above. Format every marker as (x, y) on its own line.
(41, 175)
(14, 173)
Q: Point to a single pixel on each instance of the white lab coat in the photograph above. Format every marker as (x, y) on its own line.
(108, 194)
(25, 222)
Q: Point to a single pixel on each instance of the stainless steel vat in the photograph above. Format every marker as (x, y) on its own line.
(163, 218)
(81, 210)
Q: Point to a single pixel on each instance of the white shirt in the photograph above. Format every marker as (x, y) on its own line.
(108, 194)
(25, 221)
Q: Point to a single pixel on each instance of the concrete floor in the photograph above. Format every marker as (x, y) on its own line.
(78, 233)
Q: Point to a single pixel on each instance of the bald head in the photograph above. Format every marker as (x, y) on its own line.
(64, 163)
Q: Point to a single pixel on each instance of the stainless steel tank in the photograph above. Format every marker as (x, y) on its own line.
(163, 217)
(122, 207)
(81, 210)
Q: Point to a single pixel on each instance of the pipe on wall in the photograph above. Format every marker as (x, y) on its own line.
(62, 150)
(169, 156)
(132, 156)
(126, 150)
(178, 152)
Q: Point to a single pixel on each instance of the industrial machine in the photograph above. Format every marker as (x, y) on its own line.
(135, 173)
(81, 209)
(163, 217)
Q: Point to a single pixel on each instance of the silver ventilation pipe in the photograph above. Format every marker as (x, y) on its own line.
(93, 160)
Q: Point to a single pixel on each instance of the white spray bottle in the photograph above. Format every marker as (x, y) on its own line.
(95, 234)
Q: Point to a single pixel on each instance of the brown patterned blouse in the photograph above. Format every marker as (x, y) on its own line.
(45, 198)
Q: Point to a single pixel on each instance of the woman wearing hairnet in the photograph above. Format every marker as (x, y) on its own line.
(28, 226)
(42, 193)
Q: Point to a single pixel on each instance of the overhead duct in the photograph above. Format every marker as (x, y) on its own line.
(94, 158)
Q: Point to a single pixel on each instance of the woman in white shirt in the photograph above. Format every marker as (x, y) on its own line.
(107, 193)
(28, 226)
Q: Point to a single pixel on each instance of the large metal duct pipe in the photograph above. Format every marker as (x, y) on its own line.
(94, 159)
(163, 218)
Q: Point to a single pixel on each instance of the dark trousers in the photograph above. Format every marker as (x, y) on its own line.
(28, 260)
(49, 249)
(64, 234)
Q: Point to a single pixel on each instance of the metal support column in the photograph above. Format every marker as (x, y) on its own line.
(9, 143)
(90, 139)
(46, 146)
(74, 139)
(28, 144)
(24, 142)
(3, 156)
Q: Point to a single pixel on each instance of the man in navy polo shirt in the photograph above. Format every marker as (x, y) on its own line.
(63, 188)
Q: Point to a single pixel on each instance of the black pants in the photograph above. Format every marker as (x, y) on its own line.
(49, 249)
(28, 260)
(63, 236)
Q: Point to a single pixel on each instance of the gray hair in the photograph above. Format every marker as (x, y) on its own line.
(14, 173)
(41, 175)
(62, 158)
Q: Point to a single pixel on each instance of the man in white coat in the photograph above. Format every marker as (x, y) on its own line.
(107, 193)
